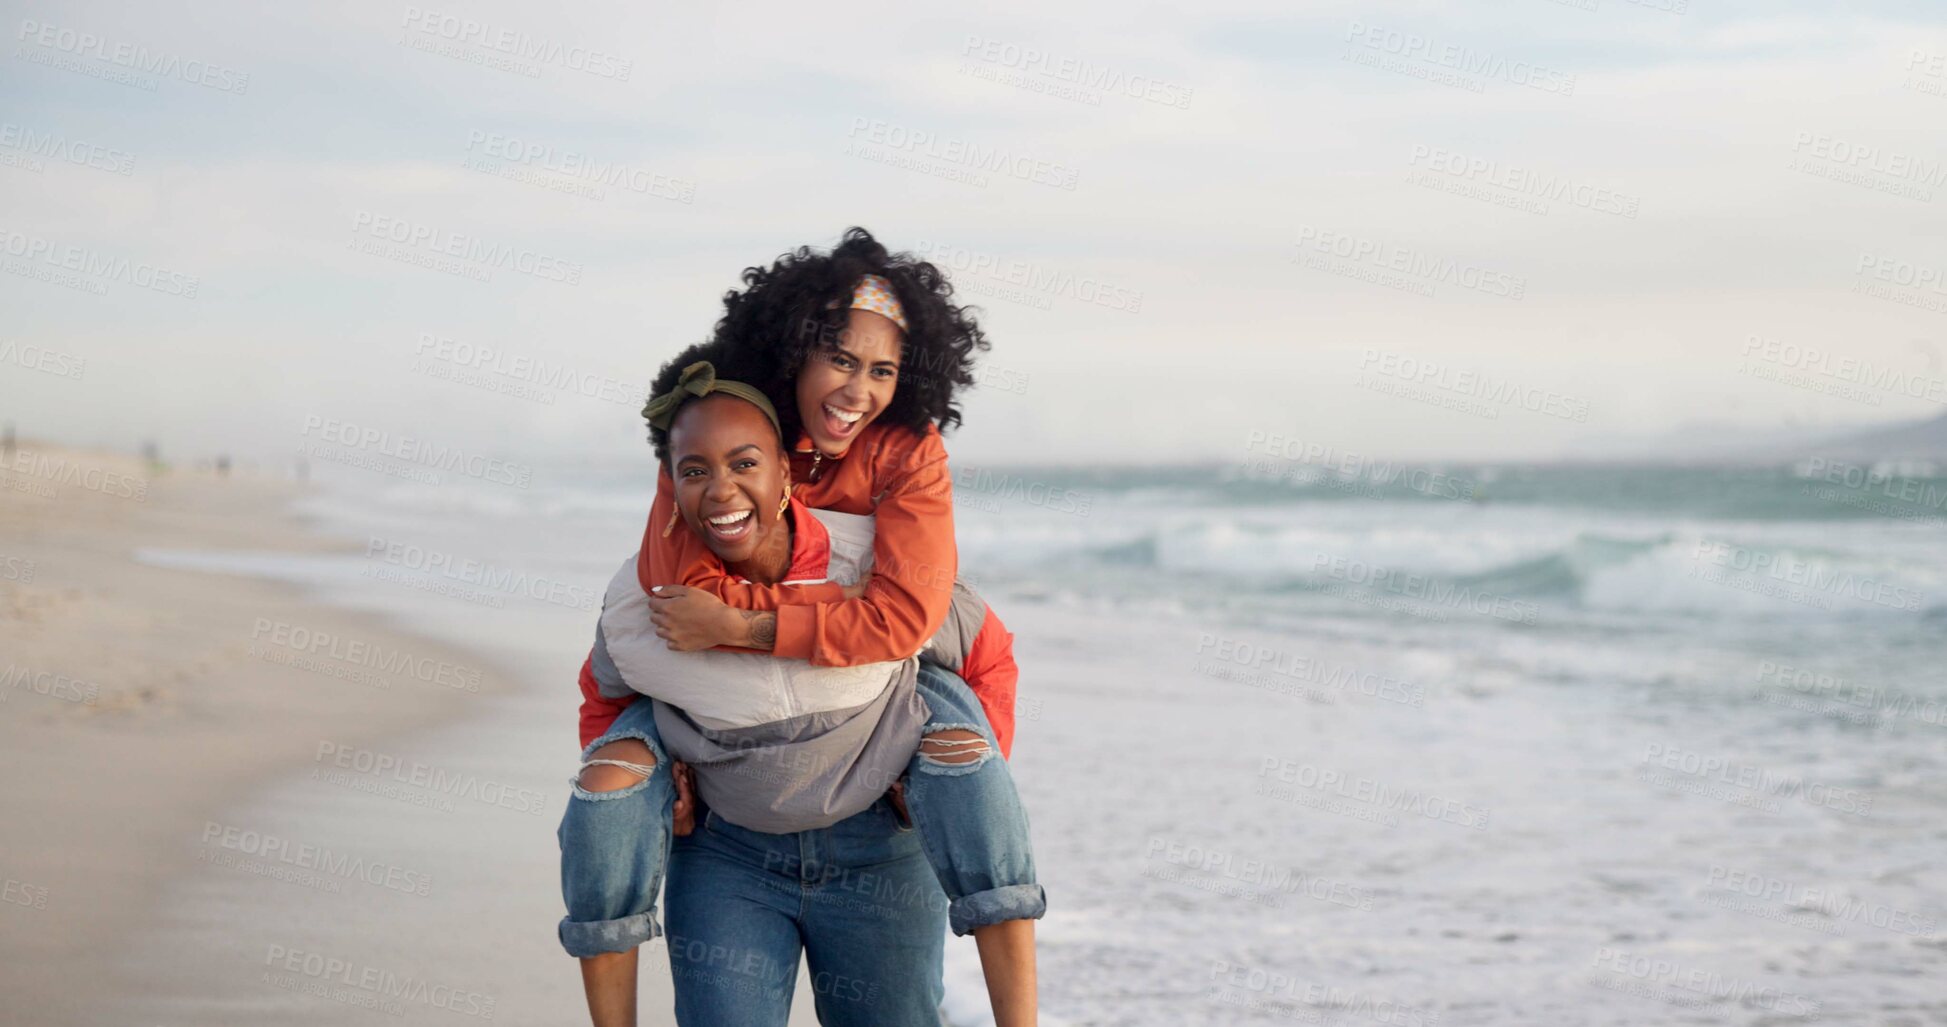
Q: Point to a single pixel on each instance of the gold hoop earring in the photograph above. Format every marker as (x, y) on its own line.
(785, 503)
(671, 526)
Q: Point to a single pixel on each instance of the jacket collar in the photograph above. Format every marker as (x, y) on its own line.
(807, 447)
(811, 547)
(819, 460)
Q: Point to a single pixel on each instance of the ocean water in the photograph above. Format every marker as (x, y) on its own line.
(1441, 745)
(1406, 745)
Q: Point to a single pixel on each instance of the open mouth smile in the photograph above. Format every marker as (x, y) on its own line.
(841, 423)
(731, 526)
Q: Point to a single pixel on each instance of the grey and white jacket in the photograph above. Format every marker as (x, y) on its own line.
(780, 745)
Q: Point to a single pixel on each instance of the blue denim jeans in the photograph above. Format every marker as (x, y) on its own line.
(856, 898)
(614, 846)
(970, 817)
(970, 825)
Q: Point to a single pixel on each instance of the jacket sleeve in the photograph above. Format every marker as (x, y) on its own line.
(604, 695)
(597, 710)
(991, 672)
(914, 561)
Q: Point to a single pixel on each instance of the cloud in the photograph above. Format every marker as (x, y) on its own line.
(788, 125)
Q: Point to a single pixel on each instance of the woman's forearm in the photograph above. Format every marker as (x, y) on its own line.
(757, 629)
(752, 629)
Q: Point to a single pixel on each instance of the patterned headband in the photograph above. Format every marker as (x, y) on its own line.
(874, 293)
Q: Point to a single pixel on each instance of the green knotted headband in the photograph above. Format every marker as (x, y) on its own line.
(699, 380)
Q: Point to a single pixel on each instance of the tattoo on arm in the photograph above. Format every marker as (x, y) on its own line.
(761, 629)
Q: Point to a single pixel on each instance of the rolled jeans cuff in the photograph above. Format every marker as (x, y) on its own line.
(596, 937)
(995, 905)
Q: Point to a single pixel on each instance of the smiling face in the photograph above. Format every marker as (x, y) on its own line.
(730, 474)
(843, 388)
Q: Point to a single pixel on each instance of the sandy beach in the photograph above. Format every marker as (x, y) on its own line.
(155, 728)
(144, 702)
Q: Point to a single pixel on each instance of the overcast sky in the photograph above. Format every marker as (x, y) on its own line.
(1506, 230)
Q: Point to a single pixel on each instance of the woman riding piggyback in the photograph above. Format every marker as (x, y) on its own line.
(854, 357)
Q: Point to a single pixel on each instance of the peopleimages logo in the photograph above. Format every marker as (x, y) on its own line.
(437, 456)
(325, 648)
(1832, 909)
(1076, 72)
(1002, 485)
(1382, 580)
(323, 860)
(1812, 574)
(1413, 47)
(83, 263)
(63, 471)
(1262, 662)
(53, 146)
(1838, 150)
(894, 138)
(88, 46)
(1659, 976)
(380, 988)
(1356, 468)
(516, 44)
(578, 166)
(1224, 866)
(471, 362)
(1523, 182)
(439, 780)
(1037, 280)
(455, 253)
(479, 574)
(1845, 370)
(1759, 781)
(1380, 794)
(42, 359)
(54, 686)
(1495, 392)
(1285, 996)
(1396, 266)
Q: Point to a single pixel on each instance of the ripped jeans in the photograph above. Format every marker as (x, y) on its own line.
(971, 825)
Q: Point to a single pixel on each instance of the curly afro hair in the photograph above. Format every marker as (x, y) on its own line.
(782, 315)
